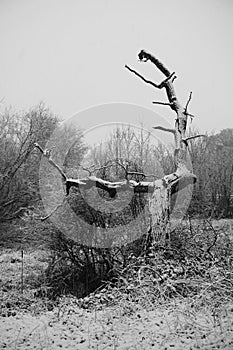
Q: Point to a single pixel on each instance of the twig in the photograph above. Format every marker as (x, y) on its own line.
(140, 76)
(46, 154)
(22, 271)
(134, 172)
(142, 174)
(214, 240)
(190, 225)
(95, 169)
(157, 86)
(190, 115)
(189, 99)
(192, 137)
(186, 107)
(174, 77)
(53, 211)
(164, 129)
(162, 103)
(86, 169)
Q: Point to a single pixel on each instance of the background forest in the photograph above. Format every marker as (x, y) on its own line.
(19, 162)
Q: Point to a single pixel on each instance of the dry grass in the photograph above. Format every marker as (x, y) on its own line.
(180, 298)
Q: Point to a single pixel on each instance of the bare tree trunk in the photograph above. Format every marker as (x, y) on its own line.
(160, 199)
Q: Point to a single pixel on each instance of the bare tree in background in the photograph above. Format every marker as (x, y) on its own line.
(213, 193)
(18, 164)
(159, 190)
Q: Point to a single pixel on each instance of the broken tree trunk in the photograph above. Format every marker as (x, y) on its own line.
(160, 200)
(159, 191)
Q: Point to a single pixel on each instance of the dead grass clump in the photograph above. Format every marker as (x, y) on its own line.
(196, 266)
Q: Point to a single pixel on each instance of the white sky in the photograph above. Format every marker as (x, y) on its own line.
(71, 55)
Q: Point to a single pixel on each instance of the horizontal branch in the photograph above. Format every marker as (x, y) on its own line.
(193, 137)
(113, 187)
(163, 103)
(189, 115)
(164, 129)
(138, 187)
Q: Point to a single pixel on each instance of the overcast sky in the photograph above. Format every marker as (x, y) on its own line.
(71, 55)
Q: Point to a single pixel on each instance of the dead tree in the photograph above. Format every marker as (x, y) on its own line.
(159, 190)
